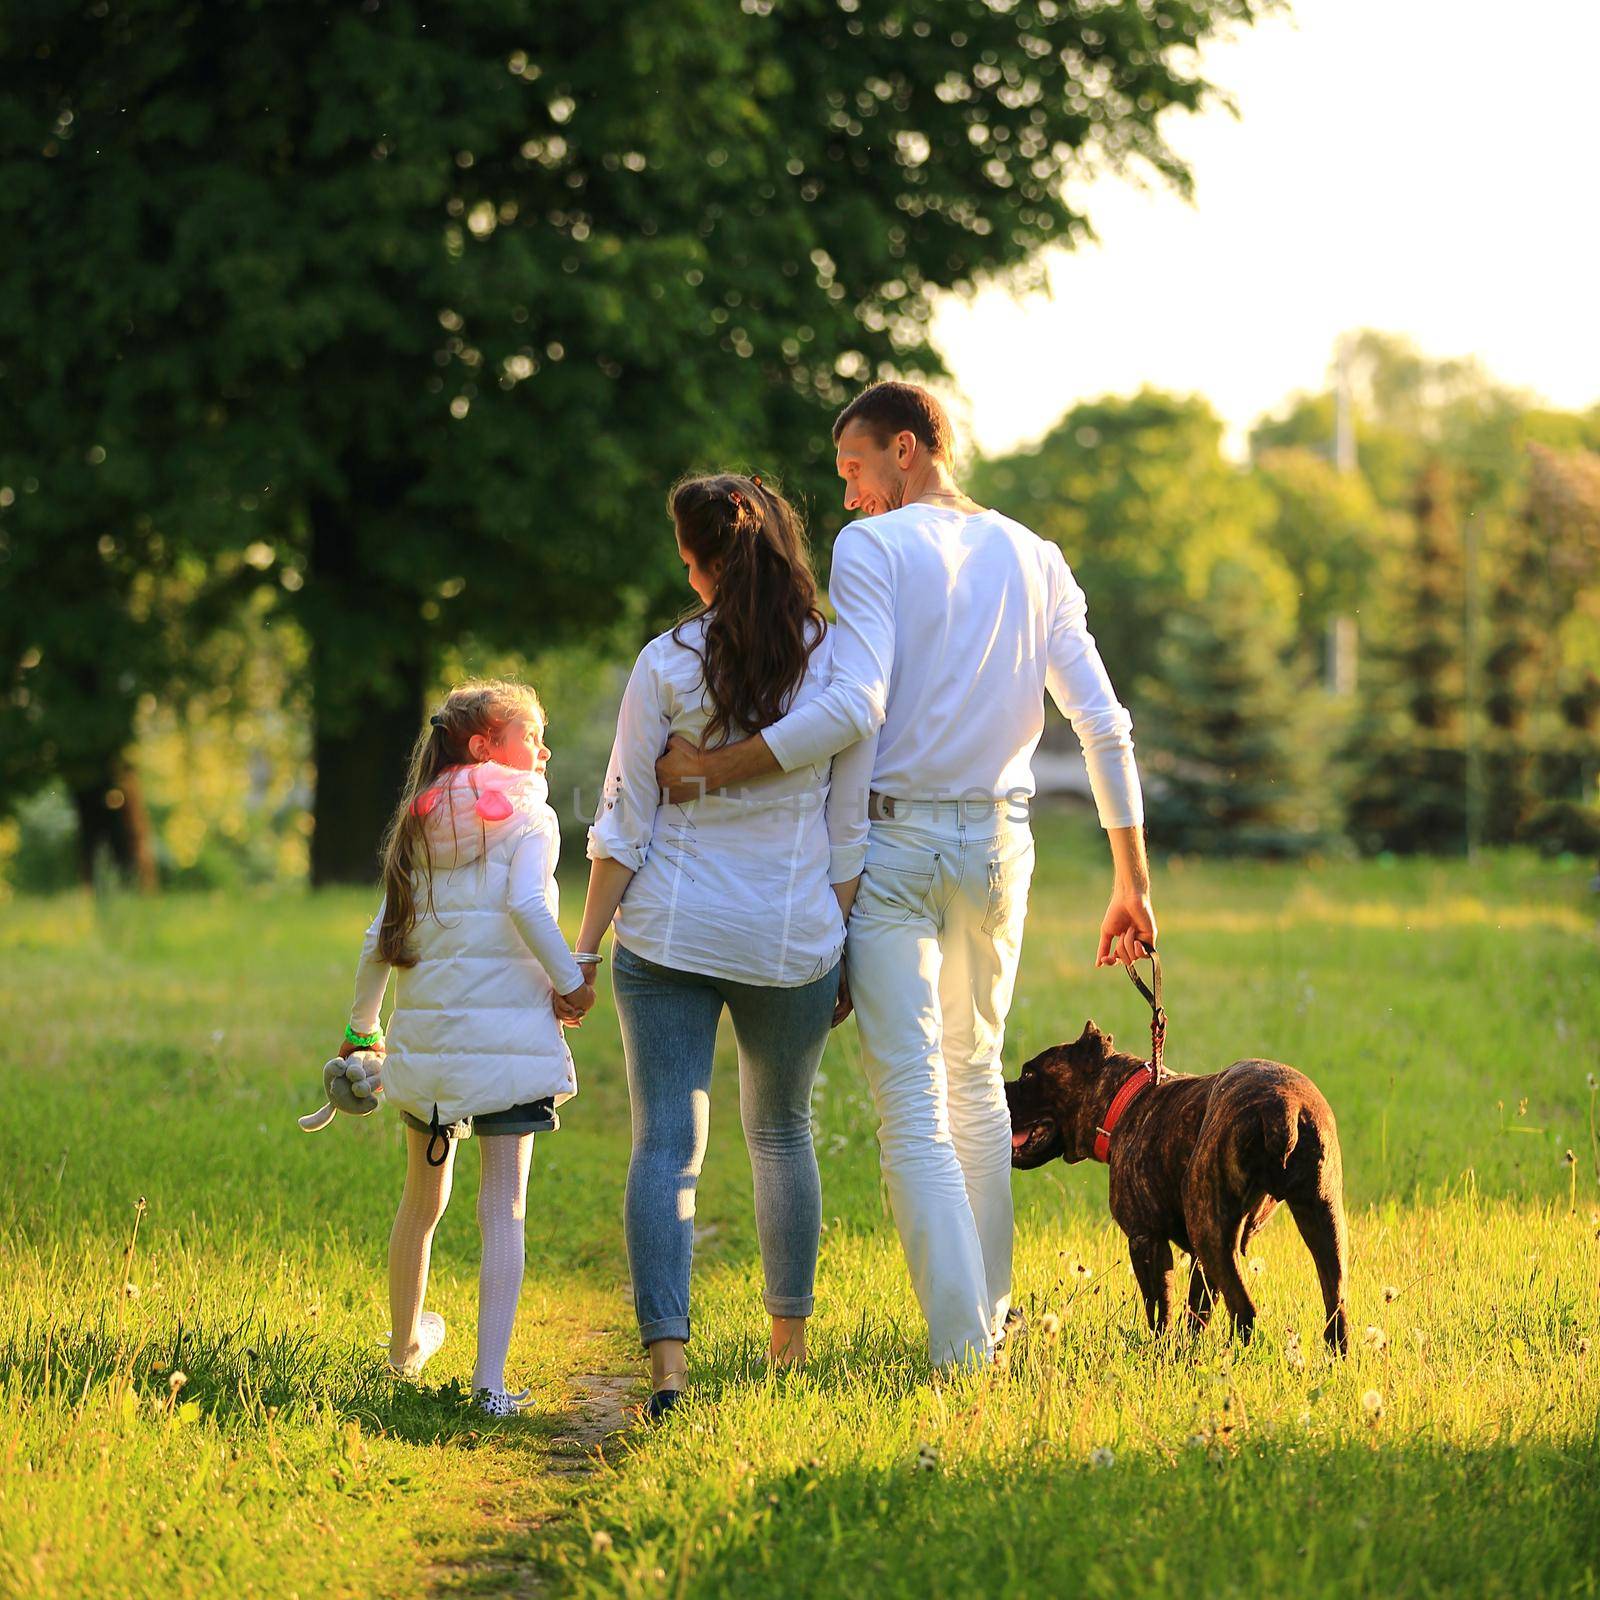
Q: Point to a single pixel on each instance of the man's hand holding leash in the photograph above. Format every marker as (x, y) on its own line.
(1128, 931)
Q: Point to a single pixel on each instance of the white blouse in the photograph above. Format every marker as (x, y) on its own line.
(735, 885)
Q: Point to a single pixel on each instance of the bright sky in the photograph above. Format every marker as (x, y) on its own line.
(1426, 167)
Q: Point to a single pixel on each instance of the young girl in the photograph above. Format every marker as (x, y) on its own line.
(475, 1044)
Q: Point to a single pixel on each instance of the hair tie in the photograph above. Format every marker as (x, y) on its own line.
(436, 721)
(755, 478)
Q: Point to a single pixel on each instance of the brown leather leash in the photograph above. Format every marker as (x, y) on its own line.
(1150, 1073)
(1158, 1015)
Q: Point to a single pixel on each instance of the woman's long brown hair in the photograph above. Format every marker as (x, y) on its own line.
(764, 622)
(481, 706)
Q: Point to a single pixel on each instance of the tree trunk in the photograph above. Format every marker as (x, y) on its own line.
(114, 824)
(370, 662)
(359, 775)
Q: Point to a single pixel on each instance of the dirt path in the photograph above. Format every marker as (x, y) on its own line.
(604, 1404)
(600, 1408)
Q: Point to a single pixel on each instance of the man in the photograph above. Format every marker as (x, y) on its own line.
(953, 620)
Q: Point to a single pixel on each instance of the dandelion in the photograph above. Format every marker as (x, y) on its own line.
(176, 1382)
(1374, 1338)
(1372, 1404)
(1293, 1354)
(1050, 1325)
(131, 1291)
(1257, 1265)
(1594, 1083)
(1568, 1159)
(600, 1541)
(1390, 1294)
(1101, 1456)
(1583, 1348)
(1081, 1269)
(1197, 1441)
(927, 1458)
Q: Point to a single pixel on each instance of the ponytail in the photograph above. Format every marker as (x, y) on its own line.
(765, 622)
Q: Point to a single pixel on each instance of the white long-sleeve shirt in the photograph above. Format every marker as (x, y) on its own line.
(733, 885)
(950, 630)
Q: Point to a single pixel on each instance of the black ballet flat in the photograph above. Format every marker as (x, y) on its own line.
(660, 1403)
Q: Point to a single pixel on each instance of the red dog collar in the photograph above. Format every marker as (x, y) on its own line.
(1132, 1088)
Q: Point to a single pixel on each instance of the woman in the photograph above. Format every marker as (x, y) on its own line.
(725, 901)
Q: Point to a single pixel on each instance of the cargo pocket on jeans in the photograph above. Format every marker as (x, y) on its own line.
(900, 879)
(1009, 878)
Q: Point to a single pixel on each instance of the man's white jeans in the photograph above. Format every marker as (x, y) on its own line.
(934, 939)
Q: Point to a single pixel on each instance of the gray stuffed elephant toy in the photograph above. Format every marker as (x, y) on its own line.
(352, 1084)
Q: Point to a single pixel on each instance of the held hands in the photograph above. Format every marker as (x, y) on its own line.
(844, 1005)
(573, 1007)
(1129, 929)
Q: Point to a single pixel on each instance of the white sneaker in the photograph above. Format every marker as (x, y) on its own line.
(497, 1403)
(430, 1335)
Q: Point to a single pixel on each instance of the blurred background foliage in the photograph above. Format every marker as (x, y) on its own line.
(343, 354)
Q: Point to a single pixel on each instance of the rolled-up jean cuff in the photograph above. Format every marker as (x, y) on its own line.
(795, 1305)
(667, 1328)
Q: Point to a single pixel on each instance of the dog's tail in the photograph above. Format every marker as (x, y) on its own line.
(1280, 1127)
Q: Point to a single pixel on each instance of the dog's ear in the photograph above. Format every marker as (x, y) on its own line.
(1092, 1040)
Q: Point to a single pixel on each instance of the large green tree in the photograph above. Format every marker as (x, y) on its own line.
(432, 302)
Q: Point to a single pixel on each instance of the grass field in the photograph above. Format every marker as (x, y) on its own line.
(162, 1050)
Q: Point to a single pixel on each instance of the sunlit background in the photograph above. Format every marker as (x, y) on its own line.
(1413, 167)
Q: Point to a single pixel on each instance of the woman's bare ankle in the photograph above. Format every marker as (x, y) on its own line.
(669, 1363)
(787, 1347)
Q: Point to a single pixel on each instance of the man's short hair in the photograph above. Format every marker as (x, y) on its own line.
(890, 408)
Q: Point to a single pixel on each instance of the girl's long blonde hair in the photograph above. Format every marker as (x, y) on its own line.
(480, 706)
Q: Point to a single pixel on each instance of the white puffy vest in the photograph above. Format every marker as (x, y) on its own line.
(473, 1030)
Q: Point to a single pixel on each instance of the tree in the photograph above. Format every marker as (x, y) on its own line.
(1545, 665)
(1329, 530)
(444, 310)
(1407, 757)
(446, 306)
(1409, 409)
(1232, 742)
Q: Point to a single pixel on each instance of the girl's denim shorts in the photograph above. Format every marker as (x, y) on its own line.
(532, 1116)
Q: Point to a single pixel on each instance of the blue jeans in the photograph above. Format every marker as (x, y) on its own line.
(669, 1034)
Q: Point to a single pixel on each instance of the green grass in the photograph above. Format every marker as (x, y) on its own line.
(1450, 1012)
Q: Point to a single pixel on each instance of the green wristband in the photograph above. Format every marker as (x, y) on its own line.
(362, 1041)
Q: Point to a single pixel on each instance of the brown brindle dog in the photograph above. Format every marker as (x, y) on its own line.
(1200, 1162)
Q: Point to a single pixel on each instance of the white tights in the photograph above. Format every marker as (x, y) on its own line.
(502, 1199)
